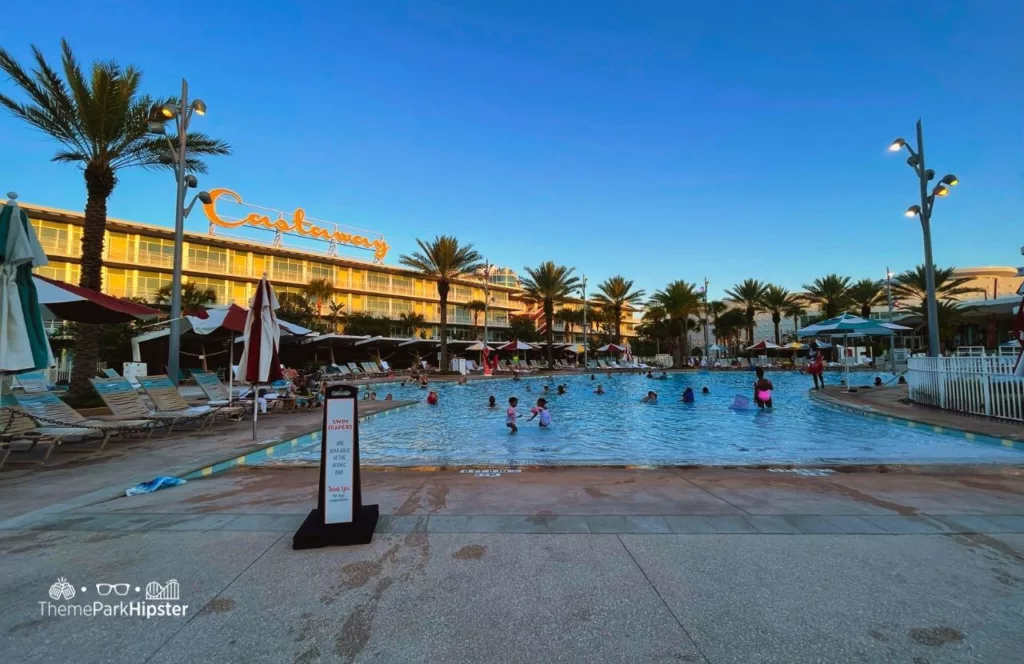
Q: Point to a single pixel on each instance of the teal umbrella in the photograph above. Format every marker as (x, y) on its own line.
(23, 343)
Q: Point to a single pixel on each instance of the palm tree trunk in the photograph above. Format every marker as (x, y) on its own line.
(549, 319)
(99, 183)
(777, 320)
(442, 292)
(618, 324)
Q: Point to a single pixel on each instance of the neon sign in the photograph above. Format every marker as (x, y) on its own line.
(298, 225)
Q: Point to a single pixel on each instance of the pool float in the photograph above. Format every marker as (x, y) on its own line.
(742, 403)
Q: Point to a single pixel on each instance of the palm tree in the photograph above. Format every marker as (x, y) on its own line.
(335, 313)
(716, 308)
(865, 294)
(829, 293)
(102, 124)
(550, 284)
(411, 322)
(570, 317)
(748, 295)
(912, 284)
(777, 301)
(729, 325)
(679, 300)
(319, 290)
(951, 315)
(476, 307)
(655, 326)
(193, 298)
(445, 260)
(616, 293)
(795, 310)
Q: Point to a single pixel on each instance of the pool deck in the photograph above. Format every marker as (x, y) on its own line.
(574, 565)
(892, 402)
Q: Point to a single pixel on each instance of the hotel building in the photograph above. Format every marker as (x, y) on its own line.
(138, 262)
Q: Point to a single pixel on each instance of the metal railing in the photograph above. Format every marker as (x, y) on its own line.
(976, 385)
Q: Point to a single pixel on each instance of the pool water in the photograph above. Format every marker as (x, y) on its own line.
(616, 428)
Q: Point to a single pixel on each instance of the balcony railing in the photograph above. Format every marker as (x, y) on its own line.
(208, 265)
(155, 258)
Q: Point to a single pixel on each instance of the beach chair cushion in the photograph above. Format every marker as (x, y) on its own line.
(50, 408)
(211, 386)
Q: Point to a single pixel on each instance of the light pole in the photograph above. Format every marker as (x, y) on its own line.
(924, 211)
(707, 353)
(181, 115)
(583, 291)
(892, 336)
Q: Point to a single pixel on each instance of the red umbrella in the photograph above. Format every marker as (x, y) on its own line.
(83, 305)
(259, 362)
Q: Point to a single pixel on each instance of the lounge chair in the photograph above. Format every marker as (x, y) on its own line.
(370, 368)
(33, 381)
(49, 409)
(111, 373)
(21, 427)
(124, 402)
(354, 368)
(216, 392)
(167, 399)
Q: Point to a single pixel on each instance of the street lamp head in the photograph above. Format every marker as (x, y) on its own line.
(913, 211)
(950, 179)
(169, 111)
(204, 197)
(930, 174)
(157, 128)
(913, 160)
(199, 107)
(941, 191)
(166, 159)
(191, 181)
(897, 145)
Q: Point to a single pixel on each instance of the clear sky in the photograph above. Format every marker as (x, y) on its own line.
(661, 140)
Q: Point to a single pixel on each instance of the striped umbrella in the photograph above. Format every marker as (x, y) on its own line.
(259, 362)
(23, 343)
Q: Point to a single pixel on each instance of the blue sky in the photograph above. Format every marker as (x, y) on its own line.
(659, 140)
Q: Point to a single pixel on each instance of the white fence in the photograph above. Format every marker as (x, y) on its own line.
(978, 385)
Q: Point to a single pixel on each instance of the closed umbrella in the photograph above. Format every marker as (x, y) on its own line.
(23, 343)
(259, 362)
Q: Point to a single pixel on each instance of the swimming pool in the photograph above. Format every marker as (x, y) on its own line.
(616, 429)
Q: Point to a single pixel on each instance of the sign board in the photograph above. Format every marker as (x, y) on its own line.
(132, 370)
(338, 436)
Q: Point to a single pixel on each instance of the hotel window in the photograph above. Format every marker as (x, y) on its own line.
(358, 278)
(402, 285)
(121, 247)
(378, 306)
(377, 282)
(55, 270)
(240, 294)
(218, 286)
(459, 315)
(461, 294)
(149, 283)
(499, 318)
(399, 307)
(156, 252)
(115, 282)
(499, 297)
(425, 288)
(321, 271)
(207, 259)
(357, 303)
(53, 237)
(286, 269)
(240, 264)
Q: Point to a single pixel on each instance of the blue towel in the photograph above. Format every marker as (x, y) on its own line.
(153, 485)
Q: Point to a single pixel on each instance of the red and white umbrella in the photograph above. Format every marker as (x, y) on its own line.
(74, 303)
(260, 362)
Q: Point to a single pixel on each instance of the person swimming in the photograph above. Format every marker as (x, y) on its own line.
(705, 390)
(688, 395)
(492, 402)
(389, 397)
(878, 381)
(652, 397)
(561, 389)
(762, 389)
(592, 377)
(541, 411)
(599, 390)
(511, 415)
(663, 376)
(432, 398)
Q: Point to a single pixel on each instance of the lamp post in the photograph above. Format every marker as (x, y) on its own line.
(924, 211)
(583, 291)
(181, 115)
(892, 336)
(707, 353)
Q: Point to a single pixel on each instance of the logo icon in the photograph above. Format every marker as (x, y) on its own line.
(169, 591)
(119, 589)
(62, 589)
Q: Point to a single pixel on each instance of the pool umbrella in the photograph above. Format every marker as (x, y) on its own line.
(846, 325)
(795, 346)
(608, 348)
(84, 305)
(23, 343)
(259, 362)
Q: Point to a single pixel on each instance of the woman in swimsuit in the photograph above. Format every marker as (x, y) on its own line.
(817, 367)
(762, 389)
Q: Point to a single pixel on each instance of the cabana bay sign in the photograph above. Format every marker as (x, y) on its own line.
(295, 223)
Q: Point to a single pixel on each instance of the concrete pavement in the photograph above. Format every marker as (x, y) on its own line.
(543, 565)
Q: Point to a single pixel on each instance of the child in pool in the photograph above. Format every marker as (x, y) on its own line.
(688, 395)
(652, 397)
(541, 411)
(705, 390)
(599, 390)
(592, 377)
(561, 389)
(432, 398)
(492, 402)
(762, 389)
(389, 397)
(511, 415)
